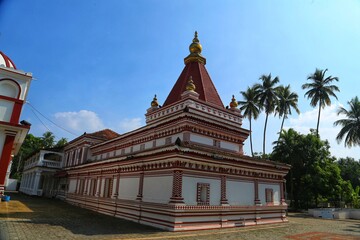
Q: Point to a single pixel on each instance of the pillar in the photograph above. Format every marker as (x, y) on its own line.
(141, 186)
(6, 158)
(176, 196)
(36, 183)
(256, 188)
(223, 200)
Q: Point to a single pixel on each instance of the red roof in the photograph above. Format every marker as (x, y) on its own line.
(6, 61)
(105, 134)
(204, 86)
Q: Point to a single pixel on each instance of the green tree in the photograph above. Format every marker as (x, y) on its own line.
(267, 98)
(287, 100)
(350, 170)
(320, 91)
(314, 173)
(250, 108)
(350, 125)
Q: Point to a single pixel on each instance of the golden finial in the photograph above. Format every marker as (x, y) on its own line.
(195, 47)
(190, 86)
(154, 102)
(195, 51)
(233, 103)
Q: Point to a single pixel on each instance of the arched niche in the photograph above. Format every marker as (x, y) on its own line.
(9, 88)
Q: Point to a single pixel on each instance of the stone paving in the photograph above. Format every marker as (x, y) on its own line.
(37, 218)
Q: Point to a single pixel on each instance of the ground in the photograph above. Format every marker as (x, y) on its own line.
(38, 218)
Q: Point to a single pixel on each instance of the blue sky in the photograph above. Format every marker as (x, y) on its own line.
(97, 64)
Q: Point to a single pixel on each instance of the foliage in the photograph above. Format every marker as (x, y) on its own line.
(287, 100)
(267, 97)
(314, 176)
(31, 145)
(250, 108)
(320, 91)
(350, 170)
(351, 124)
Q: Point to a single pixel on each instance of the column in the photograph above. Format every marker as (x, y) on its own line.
(282, 196)
(223, 200)
(176, 196)
(6, 158)
(256, 188)
(98, 187)
(117, 184)
(36, 183)
(86, 186)
(141, 186)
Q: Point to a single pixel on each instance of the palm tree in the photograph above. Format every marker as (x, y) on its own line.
(320, 90)
(351, 124)
(267, 98)
(250, 108)
(286, 101)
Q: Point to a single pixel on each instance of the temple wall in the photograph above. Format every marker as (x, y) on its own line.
(189, 189)
(157, 189)
(276, 192)
(229, 146)
(6, 109)
(200, 139)
(128, 187)
(240, 193)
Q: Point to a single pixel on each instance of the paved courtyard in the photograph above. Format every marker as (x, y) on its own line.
(37, 218)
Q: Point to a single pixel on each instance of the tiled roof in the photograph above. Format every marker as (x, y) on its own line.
(105, 134)
(204, 86)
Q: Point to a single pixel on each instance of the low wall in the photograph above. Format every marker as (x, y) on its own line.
(332, 213)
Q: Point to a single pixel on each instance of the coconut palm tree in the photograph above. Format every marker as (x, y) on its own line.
(267, 98)
(320, 91)
(287, 100)
(351, 124)
(250, 108)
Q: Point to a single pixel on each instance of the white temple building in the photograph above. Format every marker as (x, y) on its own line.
(184, 170)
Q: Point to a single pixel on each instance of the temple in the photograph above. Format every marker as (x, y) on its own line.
(184, 170)
(14, 86)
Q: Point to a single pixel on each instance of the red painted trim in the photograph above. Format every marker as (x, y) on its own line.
(15, 116)
(6, 158)
(7, 60)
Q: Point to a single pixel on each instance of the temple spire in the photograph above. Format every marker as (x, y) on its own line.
(195, 51)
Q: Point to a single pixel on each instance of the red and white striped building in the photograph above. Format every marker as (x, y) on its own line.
(14, 86)
(184, 170)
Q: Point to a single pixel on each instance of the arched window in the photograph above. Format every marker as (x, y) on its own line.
(9, 88)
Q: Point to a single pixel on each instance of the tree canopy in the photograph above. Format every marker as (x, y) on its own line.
(315, 177)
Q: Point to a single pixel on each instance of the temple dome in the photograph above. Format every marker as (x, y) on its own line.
(5, 61)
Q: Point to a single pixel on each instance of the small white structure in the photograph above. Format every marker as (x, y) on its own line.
(334, 213)
(38, 175)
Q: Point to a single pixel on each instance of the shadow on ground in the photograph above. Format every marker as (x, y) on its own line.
(77, 220)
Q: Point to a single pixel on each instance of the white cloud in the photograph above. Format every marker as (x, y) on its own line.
(129, 124)
(82, 121)
(307, 120)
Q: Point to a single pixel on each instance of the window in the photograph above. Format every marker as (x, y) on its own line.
(216, 143)
(108, 187)
(203, 194)
(269, 195)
